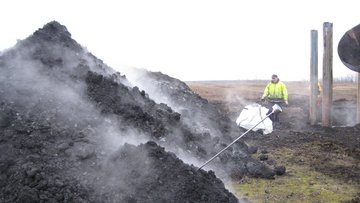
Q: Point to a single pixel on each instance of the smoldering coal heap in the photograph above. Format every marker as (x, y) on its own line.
(74, 130)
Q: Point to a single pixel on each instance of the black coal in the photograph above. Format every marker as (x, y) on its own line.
(59, 105)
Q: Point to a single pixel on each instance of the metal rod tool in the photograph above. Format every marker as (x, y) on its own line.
(276, 108)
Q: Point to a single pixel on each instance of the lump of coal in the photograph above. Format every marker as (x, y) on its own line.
(253, 149)
(259, 170)
(263, 157)
(280, 170)
(264, 151)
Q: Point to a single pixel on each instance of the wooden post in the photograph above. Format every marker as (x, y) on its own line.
(327, 74)
(313, 76)
(358, 100)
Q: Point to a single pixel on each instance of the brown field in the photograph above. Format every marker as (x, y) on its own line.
(234, 93)
(323, 164)
(214, 91)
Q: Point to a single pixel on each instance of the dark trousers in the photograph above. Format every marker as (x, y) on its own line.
(275, 116)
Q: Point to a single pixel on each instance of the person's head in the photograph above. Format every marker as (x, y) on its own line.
(274, 78)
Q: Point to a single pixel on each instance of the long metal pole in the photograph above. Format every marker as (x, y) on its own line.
(234, 141)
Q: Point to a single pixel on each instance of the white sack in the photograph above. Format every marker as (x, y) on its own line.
(253, 114)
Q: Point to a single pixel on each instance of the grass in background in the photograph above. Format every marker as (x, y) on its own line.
(299, 184)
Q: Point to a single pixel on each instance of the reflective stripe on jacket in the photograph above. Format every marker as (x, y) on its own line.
(276, 91)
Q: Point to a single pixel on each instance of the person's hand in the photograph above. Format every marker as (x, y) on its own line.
(286, 102)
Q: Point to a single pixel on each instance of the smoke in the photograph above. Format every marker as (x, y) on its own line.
(45, 83)
(343, 113)
(189, 116)
(164, 89)
(116, 138)
(235, 102)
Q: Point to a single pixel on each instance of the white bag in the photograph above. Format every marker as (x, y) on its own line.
(251, 115)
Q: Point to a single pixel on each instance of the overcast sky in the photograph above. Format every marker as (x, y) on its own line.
(192, 39)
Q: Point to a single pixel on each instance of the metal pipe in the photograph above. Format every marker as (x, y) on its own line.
(275, 109)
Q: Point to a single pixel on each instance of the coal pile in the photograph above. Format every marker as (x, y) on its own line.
(65, 117)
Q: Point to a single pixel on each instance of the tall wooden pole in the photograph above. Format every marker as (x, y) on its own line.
(313, 76)
(327, 74)
(358, 100)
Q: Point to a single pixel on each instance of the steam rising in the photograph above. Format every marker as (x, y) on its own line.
(30, 84)
(196, 112)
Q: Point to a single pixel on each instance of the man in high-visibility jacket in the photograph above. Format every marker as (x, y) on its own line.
(275, 93)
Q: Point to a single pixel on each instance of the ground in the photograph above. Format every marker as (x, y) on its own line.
(322, 164)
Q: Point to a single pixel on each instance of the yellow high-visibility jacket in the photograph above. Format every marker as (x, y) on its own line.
(320, 88)
(276, 91)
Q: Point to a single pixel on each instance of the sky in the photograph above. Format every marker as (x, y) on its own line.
(192, 39)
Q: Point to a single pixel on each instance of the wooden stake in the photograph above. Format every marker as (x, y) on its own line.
(327, 74)
(313, 76)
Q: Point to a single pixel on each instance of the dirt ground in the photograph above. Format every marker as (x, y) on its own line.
(322, 164)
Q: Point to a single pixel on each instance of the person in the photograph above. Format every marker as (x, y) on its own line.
(275, 93)
(318, 99)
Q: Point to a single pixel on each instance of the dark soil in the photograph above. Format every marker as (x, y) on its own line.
(339, 140)
(332, 151)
